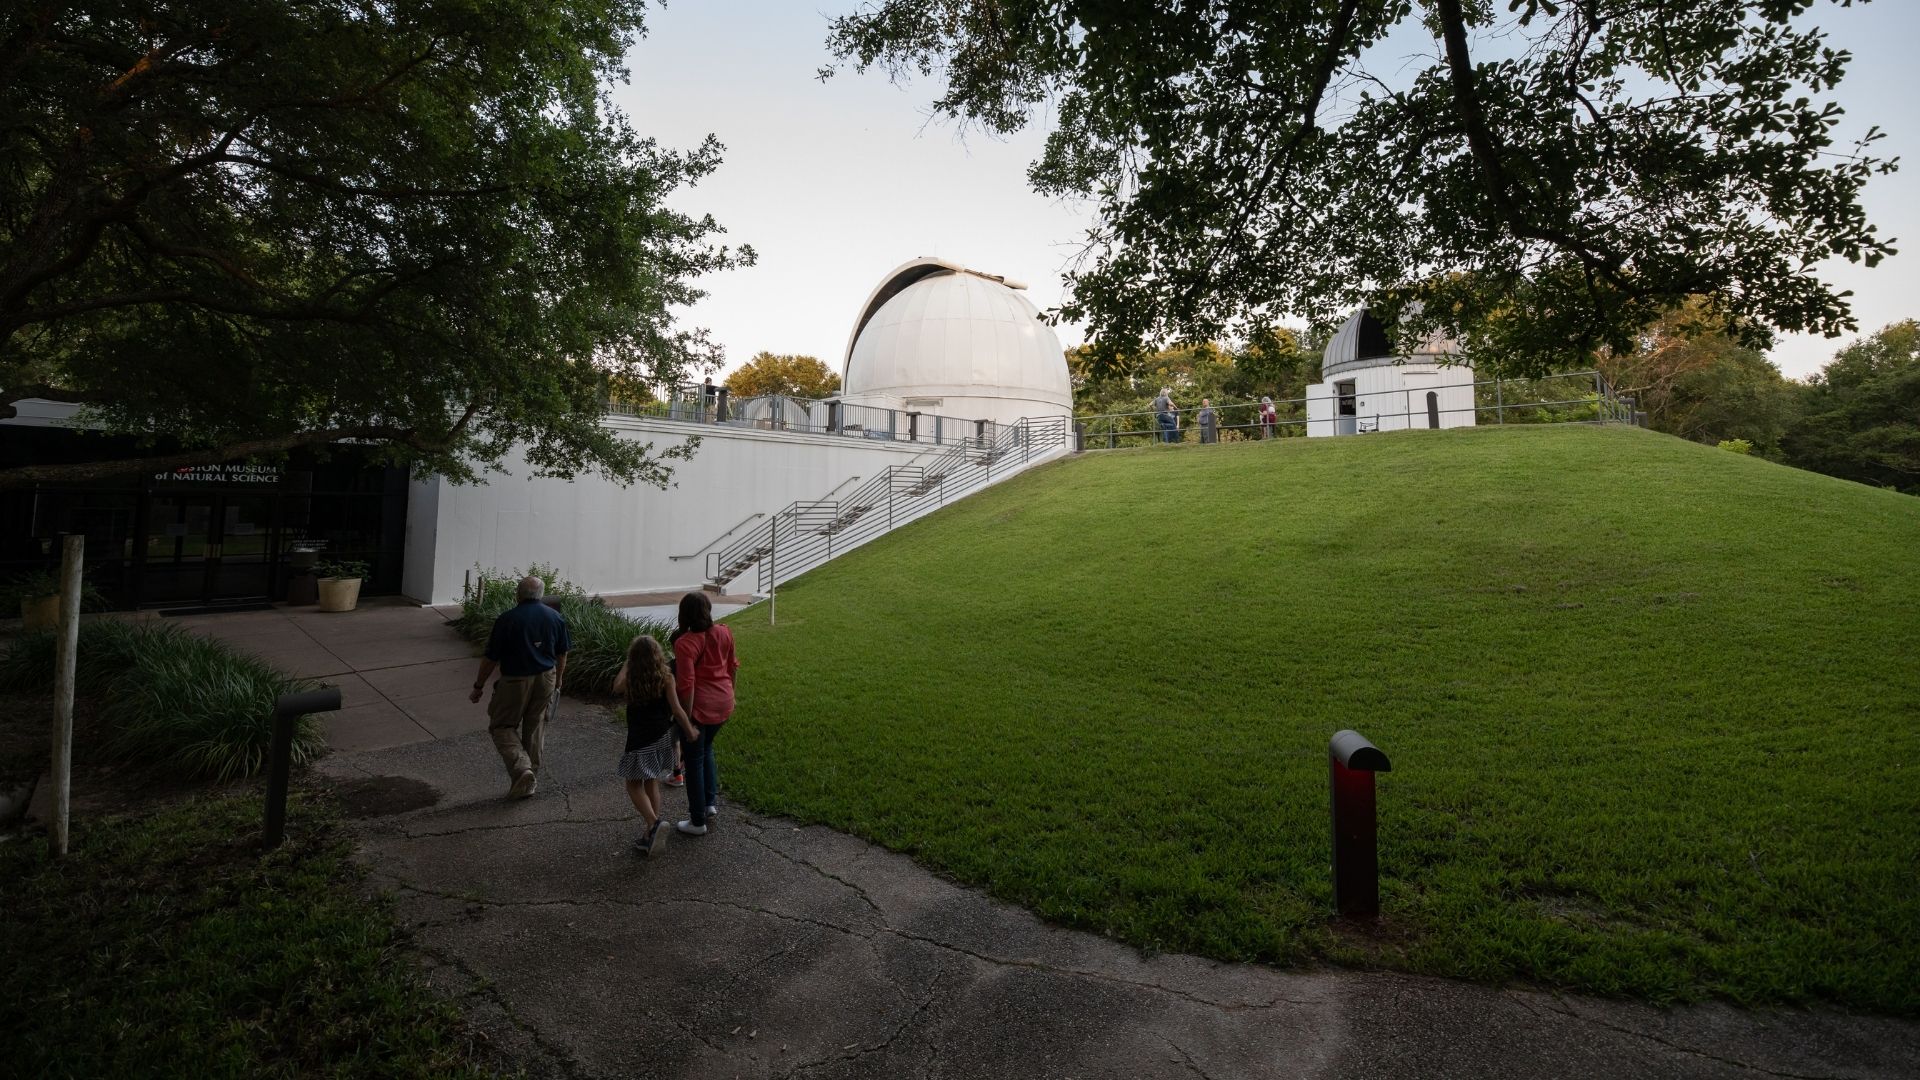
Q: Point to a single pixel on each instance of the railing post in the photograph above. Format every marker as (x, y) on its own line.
(1351, 763)
(720, 406)
(66, 646)
(287, 711)
(1499, 403)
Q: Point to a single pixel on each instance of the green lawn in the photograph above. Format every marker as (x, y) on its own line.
(166, 945)
(1651, 706)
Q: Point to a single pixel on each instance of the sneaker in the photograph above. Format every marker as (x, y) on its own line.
(678, 779)
(713, 811)
(691, 829)
(524, 784)
(643, 845)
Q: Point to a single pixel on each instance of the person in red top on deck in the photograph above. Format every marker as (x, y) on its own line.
(703, 675)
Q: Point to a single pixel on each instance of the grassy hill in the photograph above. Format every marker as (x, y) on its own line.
(1653, 708)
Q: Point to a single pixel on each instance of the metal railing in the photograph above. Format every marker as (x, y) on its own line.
(1577, 397)
(807, 533)
(702, 403)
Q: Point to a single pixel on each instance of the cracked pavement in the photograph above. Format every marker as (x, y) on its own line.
(767, 950)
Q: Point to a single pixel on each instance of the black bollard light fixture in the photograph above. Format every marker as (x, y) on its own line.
(287, 711)
(1351, 763)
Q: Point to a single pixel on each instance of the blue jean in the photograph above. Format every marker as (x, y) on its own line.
(1169, 427)
(703, 778)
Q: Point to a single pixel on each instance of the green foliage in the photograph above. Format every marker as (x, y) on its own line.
(1120, 394)
(1544, 185)
(1694, 380)
(43, 583)
(169, 699)
(600, 634)
(793, 376)
(1625, 682)
(1738, 446)
(1863, 413)
(418, 224)
(166, 945)
(342, 568)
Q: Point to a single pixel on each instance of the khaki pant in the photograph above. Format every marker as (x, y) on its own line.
(517, 719)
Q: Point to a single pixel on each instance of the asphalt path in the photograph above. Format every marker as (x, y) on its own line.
(766, 949)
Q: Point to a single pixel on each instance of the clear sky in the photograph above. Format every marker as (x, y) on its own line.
(834, 183)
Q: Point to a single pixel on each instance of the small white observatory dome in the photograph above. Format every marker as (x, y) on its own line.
(939, 337)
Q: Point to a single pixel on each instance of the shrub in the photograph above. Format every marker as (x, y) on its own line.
(341, 568)
(600, 634)
(170, 698)
(39, 583)
(1738, 446)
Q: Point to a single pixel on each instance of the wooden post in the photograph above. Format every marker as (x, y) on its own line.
(73, 551)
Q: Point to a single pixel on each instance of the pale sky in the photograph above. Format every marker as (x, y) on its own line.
(836, 183)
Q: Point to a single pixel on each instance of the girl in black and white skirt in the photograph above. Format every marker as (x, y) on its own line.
(653, 710)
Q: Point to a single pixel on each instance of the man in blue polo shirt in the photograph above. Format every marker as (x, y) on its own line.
(529, 645)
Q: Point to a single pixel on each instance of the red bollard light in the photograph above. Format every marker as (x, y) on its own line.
(1351, 763)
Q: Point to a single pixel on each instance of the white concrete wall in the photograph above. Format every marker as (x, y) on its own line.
(1394, 398)
(423, 530)
(610, 539)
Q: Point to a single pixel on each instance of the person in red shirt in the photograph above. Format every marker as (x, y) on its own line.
(703, 675)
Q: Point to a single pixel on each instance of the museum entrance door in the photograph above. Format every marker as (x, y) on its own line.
(207, 548)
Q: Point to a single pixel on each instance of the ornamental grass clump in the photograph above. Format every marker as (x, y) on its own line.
(170, 698)
(600, 634)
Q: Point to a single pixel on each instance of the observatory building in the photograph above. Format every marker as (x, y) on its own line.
(1368, 385)
(938, 338)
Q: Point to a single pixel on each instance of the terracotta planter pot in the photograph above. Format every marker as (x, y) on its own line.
(339, 594)
(40, 612)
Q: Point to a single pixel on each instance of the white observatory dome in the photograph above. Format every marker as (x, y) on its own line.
(938, 337)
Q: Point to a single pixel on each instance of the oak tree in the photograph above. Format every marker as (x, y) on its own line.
(1545, 177)
(781, 373)
(235, 228)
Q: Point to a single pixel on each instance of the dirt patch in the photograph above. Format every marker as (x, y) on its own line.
(384, 796)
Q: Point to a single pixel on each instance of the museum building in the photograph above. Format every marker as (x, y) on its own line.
(940, 356)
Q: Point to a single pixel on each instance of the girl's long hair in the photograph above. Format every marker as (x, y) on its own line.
(696, 613)
(647, 674)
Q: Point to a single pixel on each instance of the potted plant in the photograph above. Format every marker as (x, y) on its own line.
(39, 594)
(340, 584)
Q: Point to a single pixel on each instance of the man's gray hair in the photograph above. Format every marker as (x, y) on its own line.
(530, 588)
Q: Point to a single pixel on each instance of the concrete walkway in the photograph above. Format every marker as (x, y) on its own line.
(403, 674)
(769, 950)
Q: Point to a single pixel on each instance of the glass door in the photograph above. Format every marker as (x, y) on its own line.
(179, 543)
(243, 549)
(202, 548)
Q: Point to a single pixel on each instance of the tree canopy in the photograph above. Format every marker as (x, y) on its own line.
(235, 228)
(1546, 177)
(781, 373)
(1692, 379)
(1862, 417)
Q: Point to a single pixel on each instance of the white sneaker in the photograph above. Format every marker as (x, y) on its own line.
(524, 784)
(690, 828)
(713, 811)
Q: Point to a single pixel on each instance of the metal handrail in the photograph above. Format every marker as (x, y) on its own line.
(803, 534)
(717, 539)
(795, 550)
(1609, 408)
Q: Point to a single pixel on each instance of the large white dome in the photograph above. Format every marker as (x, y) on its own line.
(939, 337)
